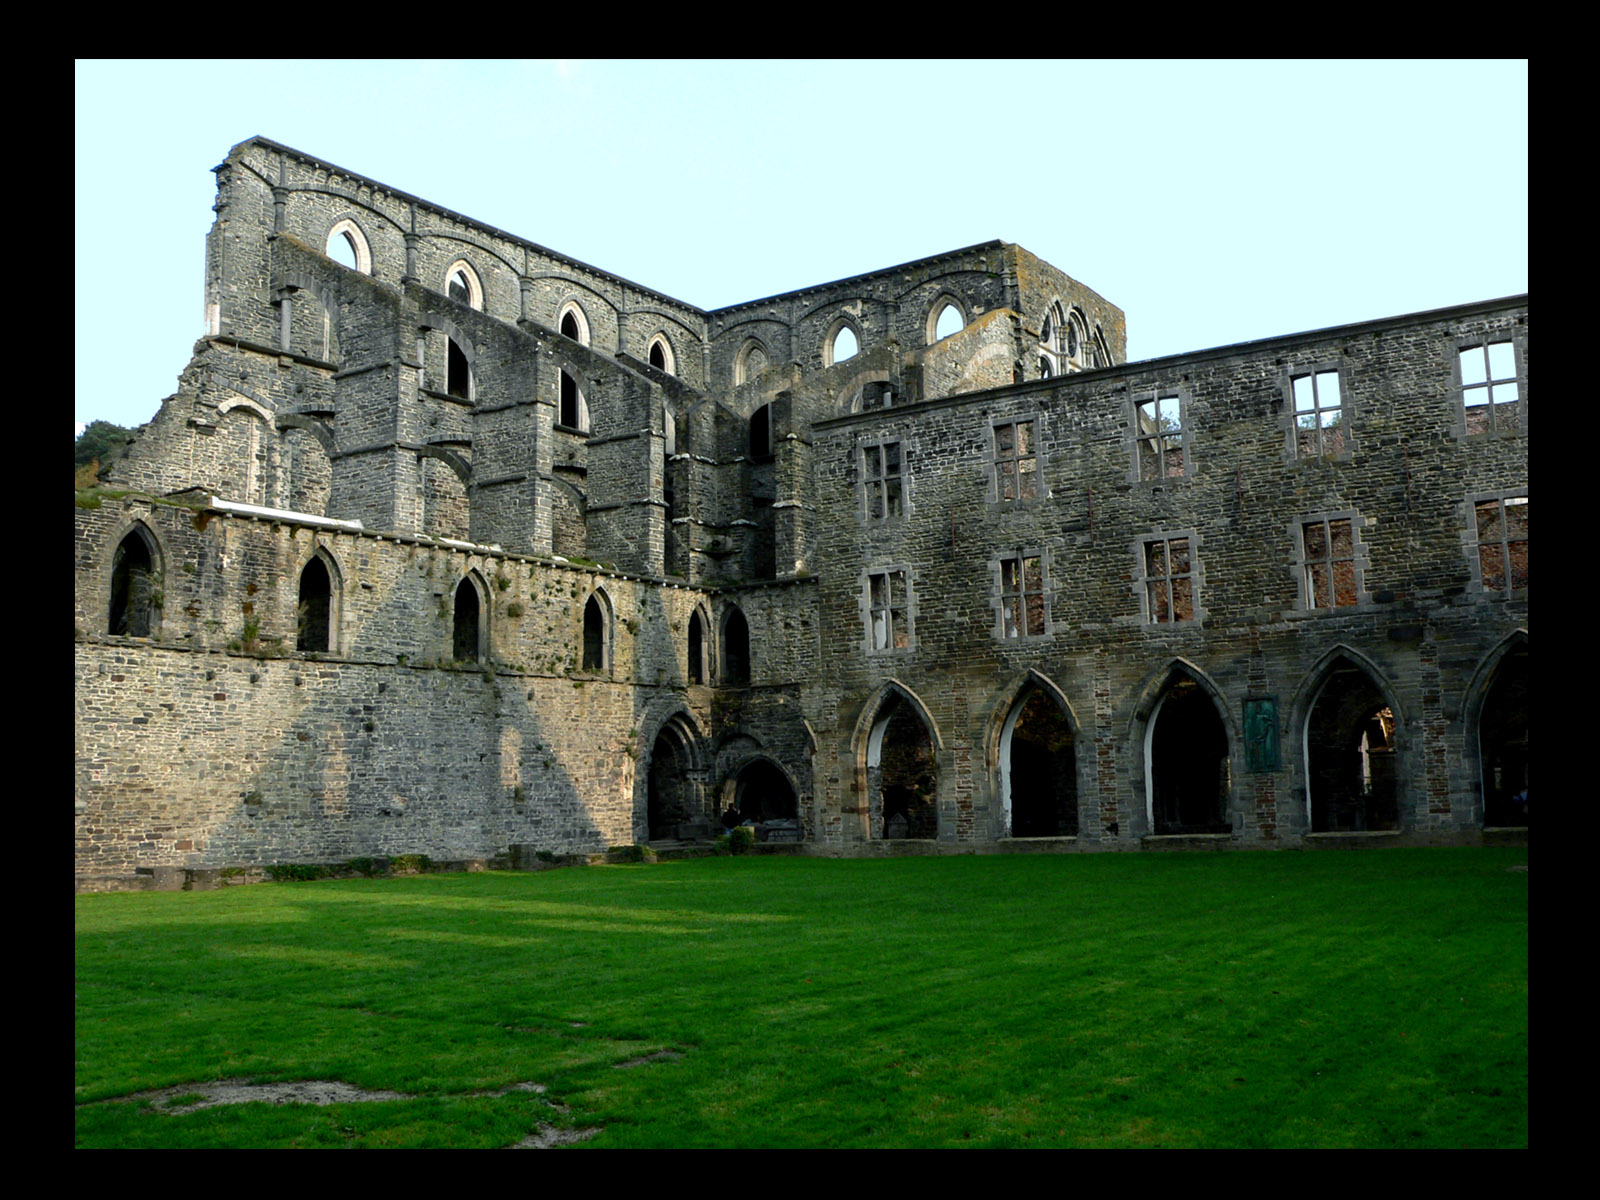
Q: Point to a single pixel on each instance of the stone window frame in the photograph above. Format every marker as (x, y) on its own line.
(348, 229)
(475, 579)
(1143, 579)
(1517, 379)
(1474, 546)
(997, 460)
(741, 361)
(336, 587)
(1048, 352)
(1002, 598)
(1075, 323)
(669, 358)
(936, 310)
(579, 318)
(838, 326)
(1184, 433)
(473, 281)
(1292, 413)
(870, 482)
(146, 536)
(1302, 564)
(607, 610)
(906, 604)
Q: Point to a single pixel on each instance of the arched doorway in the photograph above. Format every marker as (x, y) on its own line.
(674, 783)
(1190, 778)
(763, 794)
(1039, 768)
(902, 772)
(1350, 754)
(1503, 742)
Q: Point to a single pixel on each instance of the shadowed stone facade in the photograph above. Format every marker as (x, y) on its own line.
(467, 546)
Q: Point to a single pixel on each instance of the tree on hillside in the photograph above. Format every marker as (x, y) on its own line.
(101, 443)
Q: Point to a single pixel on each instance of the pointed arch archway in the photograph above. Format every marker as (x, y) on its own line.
(1496, 728)
(1350, 730)
(675, 780)
(469, 628)
(1031, 748)
(897, 747)
(317, 604)
(135, 585)
(1183, 738)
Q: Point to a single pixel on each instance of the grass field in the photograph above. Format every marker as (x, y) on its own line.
(1339, 998)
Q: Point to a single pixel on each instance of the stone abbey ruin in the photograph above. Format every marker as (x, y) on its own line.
(448, 544)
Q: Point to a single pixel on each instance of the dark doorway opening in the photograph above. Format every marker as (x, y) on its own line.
(1189, 763)
(1042, 770)
(905, 777)
(1503, 743)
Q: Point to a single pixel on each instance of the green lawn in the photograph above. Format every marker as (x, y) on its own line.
(1335, 998)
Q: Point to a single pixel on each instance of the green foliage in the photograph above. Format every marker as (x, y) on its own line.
(295, 872)
(102, 444)
(514, 610)
(411, 862)
(365, 866)
(741, 838)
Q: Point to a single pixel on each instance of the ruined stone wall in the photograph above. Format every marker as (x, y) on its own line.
(1405, 477)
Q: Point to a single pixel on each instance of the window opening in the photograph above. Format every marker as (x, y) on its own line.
(950, 321)
(571, 403)
(1074, 339)
(460, 289)
(877, 395)
(888, 620)
(1190, 775)
(132, 588)
(1016, 464)
(594, 635)
(342, 249)
(845, 344)
(1022, 612)
(660, 359)
(314, 610)
(1160, 437)
(458, 373)
(1503, 542)
(1318, 414)
(1350, 756)
(697, 651)
(464, 642)
(1045, 369)
(1490, 394)
(1169, 580)
(761, 432)
(1330, 563)
(735, 649)
(1041, 769)
(1503, 743)
(884, 483)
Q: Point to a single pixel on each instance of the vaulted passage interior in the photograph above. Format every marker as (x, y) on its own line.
(1350, 762)
(1503, 743)
(1189, 774)
(763, 793)
(902, 776)
(669, 799)
(1040, 768)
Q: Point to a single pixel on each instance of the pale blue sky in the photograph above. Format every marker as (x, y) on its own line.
(1214, 202)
